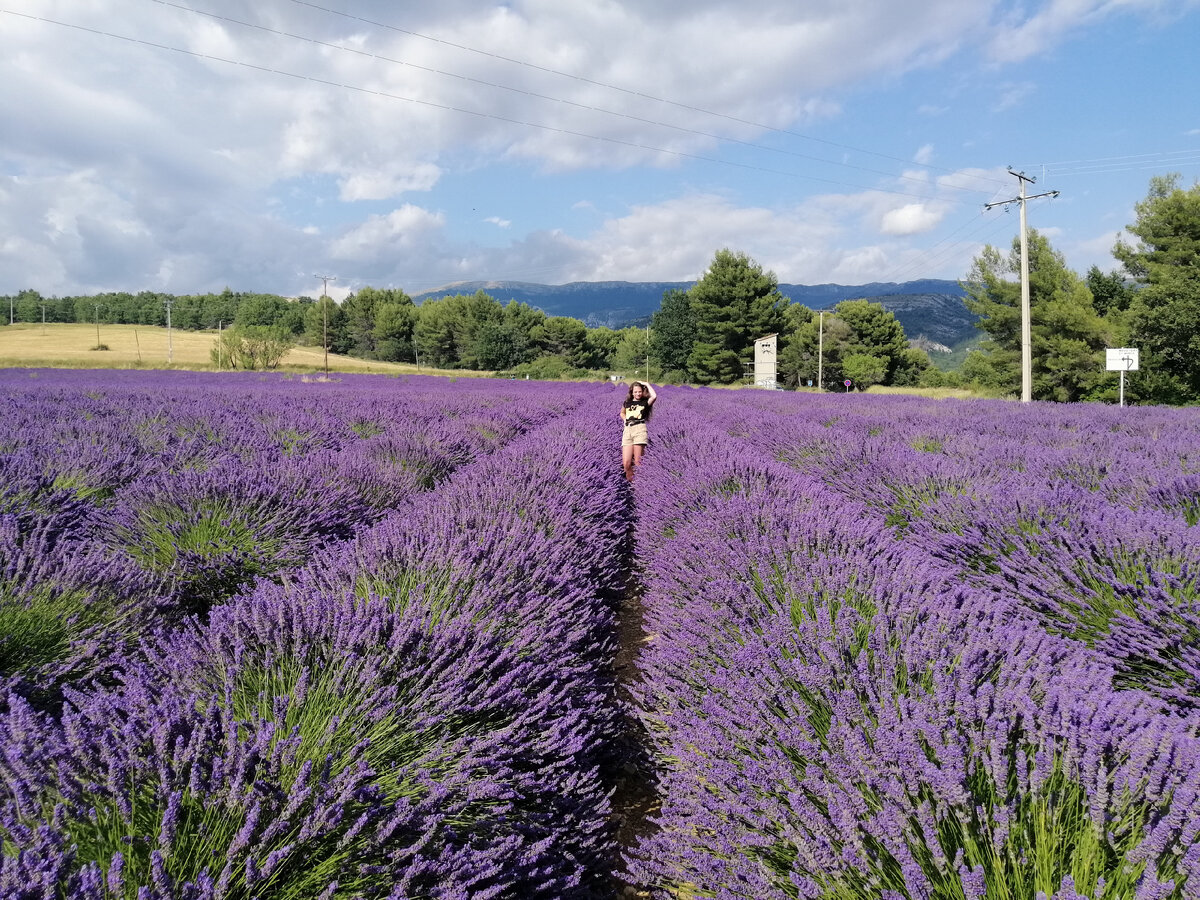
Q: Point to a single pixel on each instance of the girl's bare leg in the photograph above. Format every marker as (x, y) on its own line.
(627, 460)
(638, 450)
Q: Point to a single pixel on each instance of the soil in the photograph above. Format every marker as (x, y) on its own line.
(635, 799)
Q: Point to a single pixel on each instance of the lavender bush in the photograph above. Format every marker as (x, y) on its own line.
(393, 715)
(355, 639)
(845, 705)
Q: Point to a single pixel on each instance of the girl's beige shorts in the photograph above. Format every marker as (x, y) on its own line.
(635, 434)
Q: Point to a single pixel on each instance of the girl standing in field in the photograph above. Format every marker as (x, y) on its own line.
(635, 413)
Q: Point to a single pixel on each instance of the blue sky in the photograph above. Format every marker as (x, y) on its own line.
(189, 146)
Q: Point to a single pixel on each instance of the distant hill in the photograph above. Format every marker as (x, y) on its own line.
(930, 308)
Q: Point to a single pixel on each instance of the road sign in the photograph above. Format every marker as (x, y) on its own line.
(1122, 359)
(847, 382)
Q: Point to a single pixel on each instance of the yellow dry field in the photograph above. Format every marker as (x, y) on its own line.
(145, 347)
(932, 393)
(935, 393)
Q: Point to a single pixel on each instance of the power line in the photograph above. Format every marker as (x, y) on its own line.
(932, 256)
(577, 105)
(1115, 164)
(446, 107)
(613, 87)
(1131, 156)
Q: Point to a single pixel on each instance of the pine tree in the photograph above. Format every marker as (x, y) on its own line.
(1069, 336)
(1164, 313)
(734, 304)
(673, 331)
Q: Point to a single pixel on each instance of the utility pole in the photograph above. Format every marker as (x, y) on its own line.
(647, 353)
(97, 306)
(10, 309)
(325, 279)
(43, 306)
(1026, 318)
(820, 349)
(168, 303)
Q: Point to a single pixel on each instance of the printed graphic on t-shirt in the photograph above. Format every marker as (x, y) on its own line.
(635, 413)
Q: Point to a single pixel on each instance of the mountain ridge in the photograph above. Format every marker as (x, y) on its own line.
(929, 307)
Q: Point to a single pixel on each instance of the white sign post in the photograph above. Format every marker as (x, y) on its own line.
(1122, 359)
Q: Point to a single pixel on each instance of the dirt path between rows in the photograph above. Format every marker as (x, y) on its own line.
(635, 798)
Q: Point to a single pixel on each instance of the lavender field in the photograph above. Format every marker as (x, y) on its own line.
(264, 638)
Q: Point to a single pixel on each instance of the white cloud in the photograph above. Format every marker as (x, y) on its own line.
(379, 184)
(380, 235)
(815, 242)
(912, 218)
(1093, 251)
(124, 165)
(1019, 36)
(1012, 95)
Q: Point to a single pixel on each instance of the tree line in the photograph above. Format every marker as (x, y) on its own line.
(706, 334)
(1152, 303)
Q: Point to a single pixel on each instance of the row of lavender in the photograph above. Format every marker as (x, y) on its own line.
(285, 668)
(916, 649)
(131, 499)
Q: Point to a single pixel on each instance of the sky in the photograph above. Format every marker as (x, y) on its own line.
(190, 146)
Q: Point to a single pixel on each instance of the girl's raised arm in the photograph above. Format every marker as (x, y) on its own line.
(653, 396)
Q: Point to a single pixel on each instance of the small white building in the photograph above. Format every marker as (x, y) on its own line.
(766, 362)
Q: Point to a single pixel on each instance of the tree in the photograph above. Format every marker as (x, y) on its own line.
(496, 346)
(876, 332)
(261, 309)
(186, 312)
(324, 325)
(359, 311)
(1163, 316)
(673, 331)
(911, 367)
(252, 347)
(433, 334)
(733, 304)
(1068, 336)
(216, 310)
(27, 307)
(563, 336)
(631, 350)
(521, 321)
(798, 361)
(393, 330)
(1111, 293)
(599, 347)
(471, 313)
(796, 319)
(864, 369)
(859, 337)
